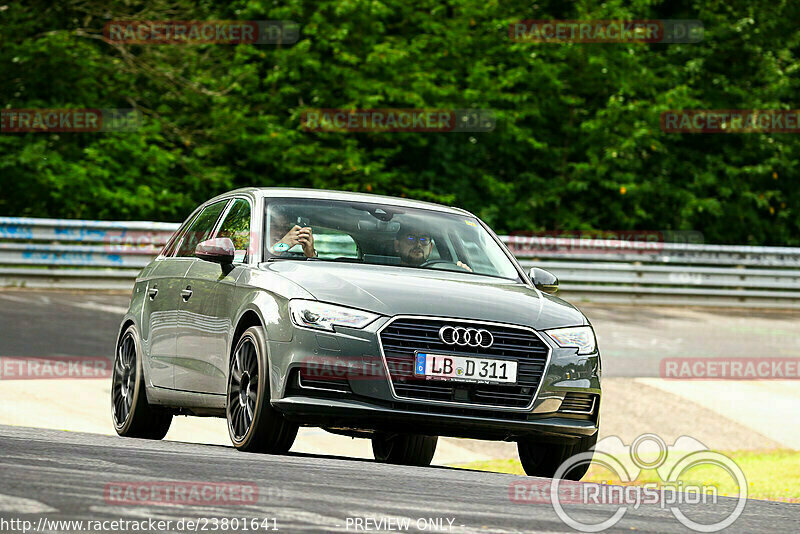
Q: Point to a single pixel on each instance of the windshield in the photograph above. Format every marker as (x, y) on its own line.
(379, 234)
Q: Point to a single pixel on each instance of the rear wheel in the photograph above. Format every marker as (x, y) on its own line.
(543, 459)
(404, 449)
(253, 424)
(131, 414)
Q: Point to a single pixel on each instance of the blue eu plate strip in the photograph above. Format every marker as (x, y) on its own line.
(421, 363)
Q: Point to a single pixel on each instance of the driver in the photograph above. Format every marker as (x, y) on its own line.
(414, 247)
(296, 235)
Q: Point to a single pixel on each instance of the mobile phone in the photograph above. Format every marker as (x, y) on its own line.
(303, 222)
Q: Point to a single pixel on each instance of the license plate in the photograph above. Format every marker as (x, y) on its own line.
(465, 368)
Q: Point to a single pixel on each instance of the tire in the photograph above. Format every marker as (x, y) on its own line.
(404, 449)
(253, 424)
(543, 459)
(131, 414)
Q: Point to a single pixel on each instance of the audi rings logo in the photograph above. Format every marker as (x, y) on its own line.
(466, 337)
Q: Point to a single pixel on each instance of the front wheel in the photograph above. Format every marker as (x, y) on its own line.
(404, 449)
(544, 459)
(253, 424)
(131, 414)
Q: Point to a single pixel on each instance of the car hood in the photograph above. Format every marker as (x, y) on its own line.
(391, 290)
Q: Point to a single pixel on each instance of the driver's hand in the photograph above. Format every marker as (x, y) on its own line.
(464, 266)
(302, 236)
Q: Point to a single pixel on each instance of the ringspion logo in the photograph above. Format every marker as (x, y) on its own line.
(648, 452)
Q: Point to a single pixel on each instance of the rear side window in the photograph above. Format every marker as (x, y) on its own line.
(236, 226)
(201, 229)
(172, 244)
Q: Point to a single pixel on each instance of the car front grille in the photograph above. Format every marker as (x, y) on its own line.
(402, 338)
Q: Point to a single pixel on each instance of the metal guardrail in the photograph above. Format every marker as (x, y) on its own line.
(75, 254)
(685, 274)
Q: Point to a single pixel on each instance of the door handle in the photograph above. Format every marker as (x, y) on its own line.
(186, 293)
(152, 292)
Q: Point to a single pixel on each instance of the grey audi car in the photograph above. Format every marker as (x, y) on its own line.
(368, 316)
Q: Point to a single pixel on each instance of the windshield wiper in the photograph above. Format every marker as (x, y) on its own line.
(303, 258)
(296, 258)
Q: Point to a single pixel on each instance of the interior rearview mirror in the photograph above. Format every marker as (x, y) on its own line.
(544, 280)
(219, 250)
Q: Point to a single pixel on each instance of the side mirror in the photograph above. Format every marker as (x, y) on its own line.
(544, 280)
(218, 250)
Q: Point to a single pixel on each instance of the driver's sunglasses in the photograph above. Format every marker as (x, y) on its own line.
(423, 240)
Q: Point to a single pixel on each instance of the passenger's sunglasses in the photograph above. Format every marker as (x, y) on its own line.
(423, 240)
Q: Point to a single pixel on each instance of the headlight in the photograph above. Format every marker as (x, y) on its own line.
(580, 337)
(313, 314)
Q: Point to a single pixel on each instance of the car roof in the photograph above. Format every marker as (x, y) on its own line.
(326, 194)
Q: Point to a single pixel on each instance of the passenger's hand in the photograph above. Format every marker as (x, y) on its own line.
(304, 237)
(464, 266)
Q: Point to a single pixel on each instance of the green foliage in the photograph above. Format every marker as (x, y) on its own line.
(578, 143)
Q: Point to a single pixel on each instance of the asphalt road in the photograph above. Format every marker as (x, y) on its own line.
(632, 339)
(55, 323)
(63, 476)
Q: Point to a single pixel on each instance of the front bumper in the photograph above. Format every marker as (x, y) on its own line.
(357, 415)
(362, 399)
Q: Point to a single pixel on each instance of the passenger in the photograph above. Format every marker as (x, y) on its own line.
(296, 235)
